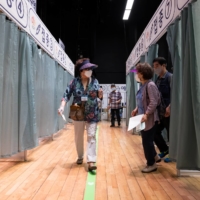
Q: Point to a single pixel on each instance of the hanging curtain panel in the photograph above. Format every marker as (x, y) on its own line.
(189, 158)
(9, 79)
(128, 89)
(152, 53)
(28, 137)
(174, 43)
(142, 59)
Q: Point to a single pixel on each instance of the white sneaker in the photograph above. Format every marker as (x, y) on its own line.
(157, 158)
(149, 169)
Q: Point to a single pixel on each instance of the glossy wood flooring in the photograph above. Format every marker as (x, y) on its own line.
(51, 172)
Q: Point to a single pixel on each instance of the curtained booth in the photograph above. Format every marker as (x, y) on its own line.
(31, 87)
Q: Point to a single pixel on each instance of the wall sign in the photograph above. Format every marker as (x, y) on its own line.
(17, 10)
(40, 33)
(138, 50)
(160, 21)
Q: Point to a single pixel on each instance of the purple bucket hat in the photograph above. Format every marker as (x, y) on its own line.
(86, 64)
(133, 70)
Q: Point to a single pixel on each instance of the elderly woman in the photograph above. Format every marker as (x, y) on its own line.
(85, 88)
(148, 98)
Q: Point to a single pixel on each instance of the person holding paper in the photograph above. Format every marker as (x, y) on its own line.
(85, 87)
(148, 98)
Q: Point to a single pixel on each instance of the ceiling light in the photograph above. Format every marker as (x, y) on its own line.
(126, 14)
(129, 4)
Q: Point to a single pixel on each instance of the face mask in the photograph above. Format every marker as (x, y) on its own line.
(88, 73)
(158, 71)
(137, 78)
(113, 89)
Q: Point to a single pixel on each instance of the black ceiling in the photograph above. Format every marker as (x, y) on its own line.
(95, 29)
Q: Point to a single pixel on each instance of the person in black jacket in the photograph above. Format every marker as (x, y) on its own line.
(164, 84)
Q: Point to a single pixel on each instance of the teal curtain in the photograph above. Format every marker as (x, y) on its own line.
(152, 53)
(31, 87)
(174, 42)
(27, 111)
(9, 84)
(131, 86)
(128, 90)
(142, 59)
(188, 156)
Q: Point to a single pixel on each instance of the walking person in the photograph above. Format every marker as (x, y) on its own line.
(85, 88)
(164, 84)
(148, 98)
(114, 103)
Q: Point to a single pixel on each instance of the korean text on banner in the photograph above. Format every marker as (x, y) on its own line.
(138, 50)
(60, 55)
(17, 10)
(40, 33)
(70, 66)
(160, 21)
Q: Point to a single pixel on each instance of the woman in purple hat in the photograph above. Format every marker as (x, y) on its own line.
(85, 87)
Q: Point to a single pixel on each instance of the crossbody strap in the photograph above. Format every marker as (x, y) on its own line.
(85, 92)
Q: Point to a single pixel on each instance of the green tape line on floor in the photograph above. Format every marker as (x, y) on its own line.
(91, 178)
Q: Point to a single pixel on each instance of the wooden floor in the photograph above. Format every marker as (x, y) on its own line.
(51, 172)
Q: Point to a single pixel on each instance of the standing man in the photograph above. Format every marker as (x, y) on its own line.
(115, 98)
(164, 84)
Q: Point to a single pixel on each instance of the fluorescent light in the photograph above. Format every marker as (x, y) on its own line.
(129, 4)
(126, 14)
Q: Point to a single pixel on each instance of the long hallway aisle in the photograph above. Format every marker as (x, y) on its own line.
(51, 172)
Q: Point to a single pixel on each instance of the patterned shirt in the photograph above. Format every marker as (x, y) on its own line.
(115, 96)
(91, 106)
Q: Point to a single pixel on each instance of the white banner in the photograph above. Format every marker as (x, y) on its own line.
(17, 10)
(61, 44)
(138, 50)
(60, 55)
(33, 3)
(70, 66)
(182, 3)
(40, 33)
(160, 21)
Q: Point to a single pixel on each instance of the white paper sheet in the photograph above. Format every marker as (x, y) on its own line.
(63, 116)
(134, 121)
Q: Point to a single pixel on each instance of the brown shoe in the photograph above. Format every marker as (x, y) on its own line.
(91, 166)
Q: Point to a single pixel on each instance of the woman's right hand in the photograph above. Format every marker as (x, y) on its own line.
(61, 110)
(134, 112)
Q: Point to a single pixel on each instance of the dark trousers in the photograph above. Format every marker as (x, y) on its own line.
(113, 113)
(158, 138)
(148, 145)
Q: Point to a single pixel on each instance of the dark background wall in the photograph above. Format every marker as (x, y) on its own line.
(95, 29)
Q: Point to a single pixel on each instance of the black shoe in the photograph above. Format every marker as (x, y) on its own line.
(112, 125)
(119, 124)
(79, 161)
(92, 167)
